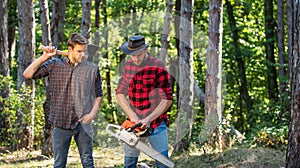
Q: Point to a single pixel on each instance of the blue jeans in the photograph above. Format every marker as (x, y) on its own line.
(158, 141)
(61, 139)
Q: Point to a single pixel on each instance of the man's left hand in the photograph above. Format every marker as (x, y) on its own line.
(87, 119)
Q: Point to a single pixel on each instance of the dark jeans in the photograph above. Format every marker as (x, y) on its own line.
(61, 139)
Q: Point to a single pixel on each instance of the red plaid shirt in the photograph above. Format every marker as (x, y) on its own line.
(146, 85)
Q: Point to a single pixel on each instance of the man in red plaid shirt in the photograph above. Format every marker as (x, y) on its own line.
(146, 81)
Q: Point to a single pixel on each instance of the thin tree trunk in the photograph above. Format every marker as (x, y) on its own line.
(270, 36)
(26, 52)
(213, 111)
(106, 56)
(46, 40)
(12, 32)
(58, 23)
(165, 37)
(282, 73)
(293, 148)
(97, 26)
(238, 57)
(184, 120)
(4, 66)
(86, 18)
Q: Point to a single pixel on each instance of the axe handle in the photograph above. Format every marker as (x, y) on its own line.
(44, 48)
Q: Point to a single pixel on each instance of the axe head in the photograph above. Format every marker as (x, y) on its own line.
(92, 49)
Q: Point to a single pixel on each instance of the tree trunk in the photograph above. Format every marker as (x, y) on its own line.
(293, 148)
(165, 37)
(213, 111)
(12, 32)
(105, 56)
(58, 21)
(4, 65)
(269, 31)
(26, 52)
(282, 72)
(86, 18)
(97, 26)
(238, 57)
(46, 40)
(184, 120)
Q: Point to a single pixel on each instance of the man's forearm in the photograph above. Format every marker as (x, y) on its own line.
(96, 106)
(33, 67)
(126, 107)
(159, 110)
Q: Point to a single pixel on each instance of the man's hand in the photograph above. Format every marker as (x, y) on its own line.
(87, 119)
(50, 51)
(146, 123)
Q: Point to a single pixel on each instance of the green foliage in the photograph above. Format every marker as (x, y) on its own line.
(17, 114)
(262, 125)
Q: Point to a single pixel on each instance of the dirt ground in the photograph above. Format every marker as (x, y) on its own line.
(113, 158)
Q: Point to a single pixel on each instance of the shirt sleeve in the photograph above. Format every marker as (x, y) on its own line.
(164, 84)
(123, 84)
(44, 69)
(98, 84)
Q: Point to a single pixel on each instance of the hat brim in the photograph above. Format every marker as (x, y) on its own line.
(124, 48)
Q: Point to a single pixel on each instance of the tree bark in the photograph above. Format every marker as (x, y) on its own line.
(270, 59)
(4, 66)
(184, 120)
(106, 56)
(86, 18)
(26, 52)
(238, 57)
(58, 21)
(282, 59)
(165, 37)
(293, 148)
(46, 40)
(213, 111)
(12, 32)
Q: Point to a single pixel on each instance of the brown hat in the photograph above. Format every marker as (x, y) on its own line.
(134, 45)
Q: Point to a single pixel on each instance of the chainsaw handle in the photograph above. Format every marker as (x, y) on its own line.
(133, 127)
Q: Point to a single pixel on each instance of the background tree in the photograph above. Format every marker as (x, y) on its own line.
(86, 18)
(213, 110)
(282, 59)
(58, 23)
(270, 58)
(26, 53)
(292, 159)
(4, 65)
(4, 62)
(165, 37)
(244, 95)
(46, 40)
(186, 76)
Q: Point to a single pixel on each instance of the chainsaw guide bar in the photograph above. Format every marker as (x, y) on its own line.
(132, 140)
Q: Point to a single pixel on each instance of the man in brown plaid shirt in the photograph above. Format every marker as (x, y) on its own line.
(76, 96)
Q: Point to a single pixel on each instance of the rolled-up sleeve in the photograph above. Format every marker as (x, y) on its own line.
(98, 85)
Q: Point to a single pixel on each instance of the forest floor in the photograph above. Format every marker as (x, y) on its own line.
(238, 157)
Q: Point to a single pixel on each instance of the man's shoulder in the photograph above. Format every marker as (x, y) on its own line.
(90, 64)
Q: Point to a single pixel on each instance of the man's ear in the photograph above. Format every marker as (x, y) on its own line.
(69, 48)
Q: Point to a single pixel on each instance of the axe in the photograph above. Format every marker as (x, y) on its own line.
(92, 49)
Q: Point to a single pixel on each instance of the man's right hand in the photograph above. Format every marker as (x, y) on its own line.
(50, 52)
(33, 67)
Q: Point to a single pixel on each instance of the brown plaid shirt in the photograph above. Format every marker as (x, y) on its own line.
(72, 90)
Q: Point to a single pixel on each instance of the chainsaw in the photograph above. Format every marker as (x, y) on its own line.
(131, 136)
